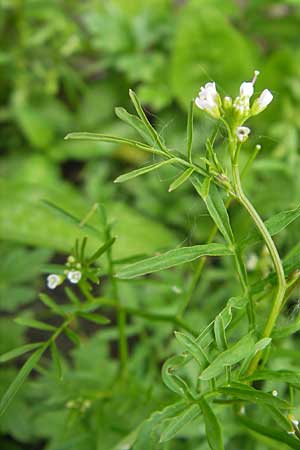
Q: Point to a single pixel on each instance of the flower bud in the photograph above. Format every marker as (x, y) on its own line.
(261, 102)
(227, 103)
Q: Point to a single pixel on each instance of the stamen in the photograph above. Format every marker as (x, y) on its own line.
(256, 73)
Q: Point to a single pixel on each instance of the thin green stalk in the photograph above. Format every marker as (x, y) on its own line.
(279, 298)
(121, 315)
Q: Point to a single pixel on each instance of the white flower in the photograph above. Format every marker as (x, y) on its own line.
(262, 102)
(242, 133)
(274, 393)
(246, 89)
(74, 276)
(53, 281)
(208, 99)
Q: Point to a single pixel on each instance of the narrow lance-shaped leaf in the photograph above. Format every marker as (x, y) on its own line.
(20, 378)
(70, 218)
(114, 140)
(72, 336)
(241, 391)
(143, 170)
(189, 131)
(56, 359)
(173, 258)
(56, 309)
(101, 250)
(169, 367)
(212, 426)
(271, 432)
(233, 355)
(220, 335)
(216, 209)
(136, 123)
(31, 323)
(148, 433)
(178, 422)
(190, 344)
(181, 179)
(96, 318)
(153, 133)
(19, 351)
(281, 376)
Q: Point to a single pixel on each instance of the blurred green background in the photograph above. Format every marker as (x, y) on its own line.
(65, 66)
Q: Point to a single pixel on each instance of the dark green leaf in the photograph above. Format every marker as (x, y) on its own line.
(168, 371)
(212, 426)
(173, 258)
(51, 304)
(220, 335)
(283, 376)
(101, 250)
(72, 336)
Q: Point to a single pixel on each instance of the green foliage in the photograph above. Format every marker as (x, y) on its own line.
(144, 350)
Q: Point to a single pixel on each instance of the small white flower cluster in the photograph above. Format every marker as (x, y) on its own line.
(240, 109)
(72, 273)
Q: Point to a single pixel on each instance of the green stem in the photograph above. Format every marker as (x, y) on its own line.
(121, 315)
(279, 298)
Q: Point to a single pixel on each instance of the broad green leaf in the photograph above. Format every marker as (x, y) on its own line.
(194, 348)
(233, 355)
(19, 351)
(212, 426)
(20, 378)
(175, 424)
(181, 179)
(216, 209)
(271, 432)
(136, 123)
(23, 218)
(114, 140)
(173, 258)
(283, 376)
(96, 318)
(56, 309)
(56, 359)
(220, 335)
(247, 393)
(152, 132)
(32, 323)
(148, 434)
(143, 170)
